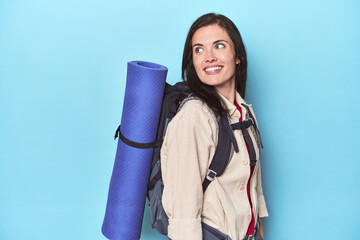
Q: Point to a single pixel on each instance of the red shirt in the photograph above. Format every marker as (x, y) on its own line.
(250, 230)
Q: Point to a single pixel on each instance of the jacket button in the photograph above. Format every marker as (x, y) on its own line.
(248, 216)
(244, 162)
(242, 188)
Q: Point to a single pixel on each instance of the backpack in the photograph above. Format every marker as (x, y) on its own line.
(174, 98)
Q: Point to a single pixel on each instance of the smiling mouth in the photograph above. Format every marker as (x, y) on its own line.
(213, 69)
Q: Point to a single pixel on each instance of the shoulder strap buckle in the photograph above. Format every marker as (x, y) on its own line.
(211, 175)
(252, 121)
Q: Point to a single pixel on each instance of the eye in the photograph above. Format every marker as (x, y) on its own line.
(199, 50)
(219, 46)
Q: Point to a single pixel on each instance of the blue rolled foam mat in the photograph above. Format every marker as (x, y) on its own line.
(144, 91)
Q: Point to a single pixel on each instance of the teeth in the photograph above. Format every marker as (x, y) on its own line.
(211, 69)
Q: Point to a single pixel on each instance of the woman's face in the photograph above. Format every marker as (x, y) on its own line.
(214, 57)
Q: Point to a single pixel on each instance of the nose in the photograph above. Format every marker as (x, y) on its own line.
(210, 57)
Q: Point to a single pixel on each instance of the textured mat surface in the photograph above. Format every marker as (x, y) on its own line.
(142, 105)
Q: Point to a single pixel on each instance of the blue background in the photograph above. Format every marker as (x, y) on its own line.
(62, 80)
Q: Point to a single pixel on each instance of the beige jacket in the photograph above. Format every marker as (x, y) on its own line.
(186, 154)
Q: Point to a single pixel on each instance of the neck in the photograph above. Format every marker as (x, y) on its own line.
(228, 93)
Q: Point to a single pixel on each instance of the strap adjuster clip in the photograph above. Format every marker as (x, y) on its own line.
(252, 121)
(211, 175)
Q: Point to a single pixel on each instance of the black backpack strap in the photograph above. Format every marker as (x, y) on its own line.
(227, 144)
(243, 126)
(224, 150)
(255, 124)
(135, 144)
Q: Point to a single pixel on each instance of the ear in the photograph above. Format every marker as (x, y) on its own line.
(237, 61)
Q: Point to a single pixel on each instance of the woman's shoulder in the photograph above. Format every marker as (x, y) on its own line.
(194, 113)
(194, 109)
(194, 116)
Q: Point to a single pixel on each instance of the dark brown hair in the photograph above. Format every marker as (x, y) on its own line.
(205, 92)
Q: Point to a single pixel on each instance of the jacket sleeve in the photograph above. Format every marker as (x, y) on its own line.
(260, 196)
(187, 148)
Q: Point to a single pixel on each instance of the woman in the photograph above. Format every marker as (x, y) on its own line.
(214, 67)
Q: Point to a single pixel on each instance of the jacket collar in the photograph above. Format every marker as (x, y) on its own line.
(231, 106)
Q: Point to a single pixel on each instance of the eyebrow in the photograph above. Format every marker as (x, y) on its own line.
(217, 41)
